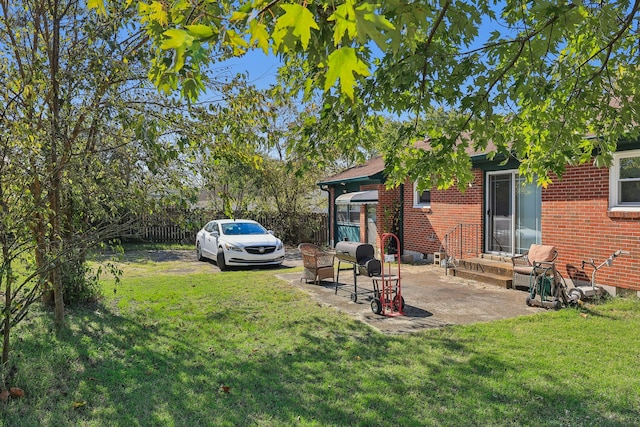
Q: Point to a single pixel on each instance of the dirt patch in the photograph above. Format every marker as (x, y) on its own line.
(161, 256)
(186, 262)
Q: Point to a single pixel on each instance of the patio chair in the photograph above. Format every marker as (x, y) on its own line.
(523, 265)
(318, 263)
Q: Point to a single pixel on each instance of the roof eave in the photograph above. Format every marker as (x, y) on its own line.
(378, 176)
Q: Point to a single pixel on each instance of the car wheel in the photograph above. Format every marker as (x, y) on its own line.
(199, 252)
(220, 261)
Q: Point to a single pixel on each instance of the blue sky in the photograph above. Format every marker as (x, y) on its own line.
(262, 69)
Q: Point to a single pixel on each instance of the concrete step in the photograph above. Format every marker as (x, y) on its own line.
(487, 265)
(492, 279)
(486, 270)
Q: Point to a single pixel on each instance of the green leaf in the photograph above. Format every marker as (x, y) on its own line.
(238, 16)
(153, 12)
(175, 39)
(200, 31)
(343, 64)
(345, 19)
(297, 21)
(98, 5)
(370, 24)
(238, 44)
(192, 88)
(259, 36)
(178, 58)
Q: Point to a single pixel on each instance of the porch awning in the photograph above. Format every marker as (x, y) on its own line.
(358, 197)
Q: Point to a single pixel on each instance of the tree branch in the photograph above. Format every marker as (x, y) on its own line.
(609, 46)
(436, 24)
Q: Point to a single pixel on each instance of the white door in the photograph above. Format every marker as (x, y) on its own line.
(210, 241)
(372, 228)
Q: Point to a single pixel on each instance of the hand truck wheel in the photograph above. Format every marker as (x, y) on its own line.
(376, 306)
(398, 303)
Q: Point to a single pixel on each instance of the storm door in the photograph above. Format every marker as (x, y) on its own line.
(513, 213)
(372, 229)
(500, 213)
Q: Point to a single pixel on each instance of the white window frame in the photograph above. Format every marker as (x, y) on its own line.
(352, 210)
(614, 179)
(416, 198)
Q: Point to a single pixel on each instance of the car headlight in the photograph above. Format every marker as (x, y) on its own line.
(279, 246)
(231, 247)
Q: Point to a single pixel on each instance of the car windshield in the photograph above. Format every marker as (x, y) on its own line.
(240, 228)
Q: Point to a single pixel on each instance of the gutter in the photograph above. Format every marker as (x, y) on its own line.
(375, 177)
(330, 207)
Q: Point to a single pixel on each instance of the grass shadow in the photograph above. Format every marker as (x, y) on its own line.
(249, 360)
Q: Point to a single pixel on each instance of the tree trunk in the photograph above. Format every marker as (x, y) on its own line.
(6, 272)
(39, 230)
(56, 171)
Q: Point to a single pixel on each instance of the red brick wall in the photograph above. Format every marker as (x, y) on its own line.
(575, 219)
(425, 228)
(388, 203)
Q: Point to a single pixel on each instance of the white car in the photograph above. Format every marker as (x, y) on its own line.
(238, 242)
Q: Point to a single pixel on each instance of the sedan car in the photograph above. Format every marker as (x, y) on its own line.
(238, 242)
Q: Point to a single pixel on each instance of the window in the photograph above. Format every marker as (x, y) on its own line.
(624, 180)
(342, 213)
(354, 214)
(421, 199)
(348, 214)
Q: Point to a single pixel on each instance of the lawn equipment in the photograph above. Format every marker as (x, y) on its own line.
(585, 290)
(547, 287)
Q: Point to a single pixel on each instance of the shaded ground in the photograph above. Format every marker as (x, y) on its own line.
(292, 256)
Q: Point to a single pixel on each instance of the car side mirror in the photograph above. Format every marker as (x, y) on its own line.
(215, 234)
(270, 231)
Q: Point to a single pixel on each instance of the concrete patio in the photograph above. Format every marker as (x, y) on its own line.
(432, 299)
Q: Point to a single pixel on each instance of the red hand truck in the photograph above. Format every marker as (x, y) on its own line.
(387, 288)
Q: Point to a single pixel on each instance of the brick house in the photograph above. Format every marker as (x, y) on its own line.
(590, 213)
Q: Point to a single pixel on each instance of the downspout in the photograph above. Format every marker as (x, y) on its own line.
(401, 228)
(330, 214)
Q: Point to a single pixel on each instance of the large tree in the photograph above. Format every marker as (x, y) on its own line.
(85, 135)
(547, 82)
(254, 167)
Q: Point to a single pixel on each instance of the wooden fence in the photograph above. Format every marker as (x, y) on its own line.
(181, 226)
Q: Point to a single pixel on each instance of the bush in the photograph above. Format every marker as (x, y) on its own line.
(80, 283)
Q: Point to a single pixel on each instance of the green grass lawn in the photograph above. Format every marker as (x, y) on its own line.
(184, 347)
